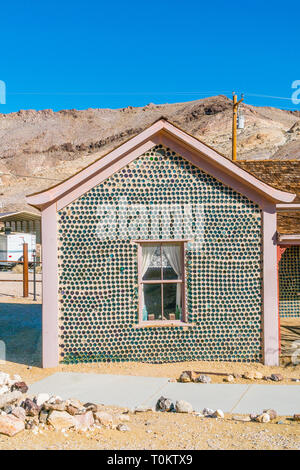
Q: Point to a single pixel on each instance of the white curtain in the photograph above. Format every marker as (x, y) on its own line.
(147, 254)
(173, 254)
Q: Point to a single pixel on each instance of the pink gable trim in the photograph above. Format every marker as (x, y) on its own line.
(86, 179)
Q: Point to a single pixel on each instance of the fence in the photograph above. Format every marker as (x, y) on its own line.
(25, 279)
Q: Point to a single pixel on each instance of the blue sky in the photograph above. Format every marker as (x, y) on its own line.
(72, 54)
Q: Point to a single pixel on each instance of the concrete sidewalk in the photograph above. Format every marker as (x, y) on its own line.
(131, 391)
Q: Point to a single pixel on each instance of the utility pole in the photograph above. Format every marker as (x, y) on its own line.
(235, 105)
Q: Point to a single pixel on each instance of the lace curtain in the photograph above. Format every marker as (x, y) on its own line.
(173, 255)
(147, 254)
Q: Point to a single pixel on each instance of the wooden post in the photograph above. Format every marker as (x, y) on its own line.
(25, 269)
(234, 122)
(235, 104)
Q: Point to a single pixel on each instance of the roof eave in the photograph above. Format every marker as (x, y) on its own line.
(288, 207)
(289, 239)
(45, 198)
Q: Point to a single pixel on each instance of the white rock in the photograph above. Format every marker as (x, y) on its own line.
(204, 379)
(142, 409)
(258, 375)
(123, 427)
(42, 398)
(183, 407)
(53, 399)
(229, 379)
(19, 412)
(207, 412)
(11, 382)
(61, 420)
(4, 389)
(263, 418)
(10, 425)
(218, 414)
(244, 419)
(4, 378)
(9, 397)
(84, 421)
(104, 418)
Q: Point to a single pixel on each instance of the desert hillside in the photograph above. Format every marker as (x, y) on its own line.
(54, 145)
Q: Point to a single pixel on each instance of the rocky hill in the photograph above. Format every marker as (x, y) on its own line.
(54, 145)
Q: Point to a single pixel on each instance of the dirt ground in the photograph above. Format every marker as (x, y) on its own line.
(171, 431)
(170, 370)
(11, 287)
(167, 431)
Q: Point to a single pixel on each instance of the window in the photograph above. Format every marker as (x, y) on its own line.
(161, 281)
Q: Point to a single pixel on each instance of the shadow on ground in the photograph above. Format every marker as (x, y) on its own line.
(21, 331)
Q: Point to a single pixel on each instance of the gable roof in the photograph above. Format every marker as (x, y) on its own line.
(163, 132)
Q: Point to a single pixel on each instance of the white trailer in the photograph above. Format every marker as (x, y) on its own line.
(11, 247)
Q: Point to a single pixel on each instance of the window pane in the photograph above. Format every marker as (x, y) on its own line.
(152, 302)
(151, 262)
(172, 261)
(172, 301)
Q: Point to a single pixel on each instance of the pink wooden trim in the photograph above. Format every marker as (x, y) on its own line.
(270, 287)
(178, 241)
(289, 239)
(99, 177)
(57, 191)
(141, 322)
(163, 281)
(288, 207)
(50, 287)
(290, 242)
(88, 177)
(228, 166)
(162, 323)
(183, 289)
(207, 165)
(140, 261)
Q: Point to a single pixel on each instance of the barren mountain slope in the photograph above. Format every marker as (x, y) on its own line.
(54, 145)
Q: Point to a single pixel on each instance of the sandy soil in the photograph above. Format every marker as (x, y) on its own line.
(173, 370)
(167, 431)
(11, 286)
(163, 430)
(5, 298)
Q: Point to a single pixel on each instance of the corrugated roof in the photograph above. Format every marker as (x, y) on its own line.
(19, 216)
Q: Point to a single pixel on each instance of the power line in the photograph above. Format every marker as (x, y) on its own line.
(139, 93)
(269, 96)
(120, 93)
